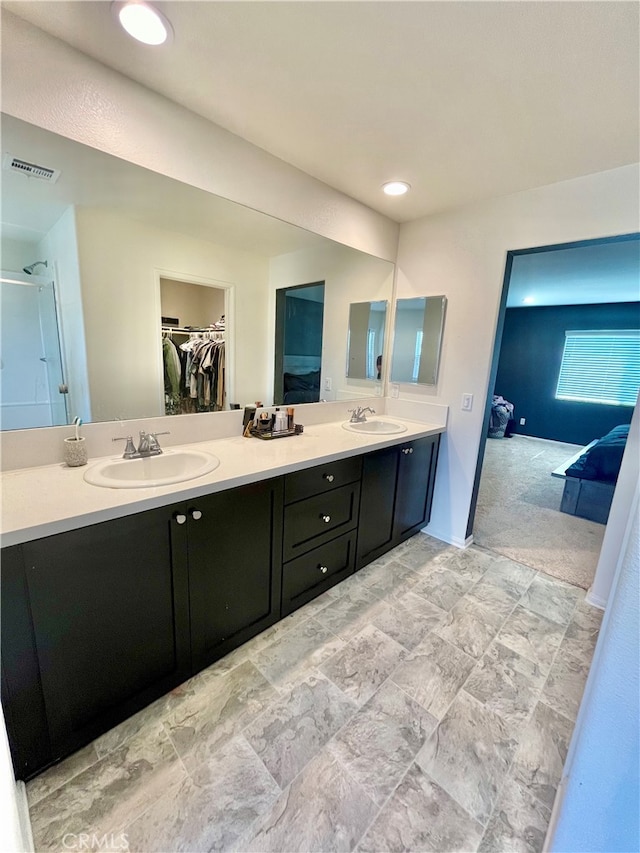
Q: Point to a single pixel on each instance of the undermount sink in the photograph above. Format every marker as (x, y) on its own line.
(376, 427)
(172, 466)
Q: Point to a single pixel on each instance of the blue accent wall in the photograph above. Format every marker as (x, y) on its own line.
(530, 358)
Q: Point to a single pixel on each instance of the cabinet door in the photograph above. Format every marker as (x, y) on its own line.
(110, 615)
(375, 526)
(22, 699)
(414, 490)
(235, 544)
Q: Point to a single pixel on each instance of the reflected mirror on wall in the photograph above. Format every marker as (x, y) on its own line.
(365, 340)
(417, 339)
(109, 231)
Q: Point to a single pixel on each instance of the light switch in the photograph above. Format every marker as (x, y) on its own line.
(395, 390)
(327, 384)
(467, 402)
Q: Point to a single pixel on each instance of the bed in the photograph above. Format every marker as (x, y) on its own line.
(301, 387)
(590, 476)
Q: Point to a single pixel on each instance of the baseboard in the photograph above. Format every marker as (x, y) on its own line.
(23, 817)
(555, 812)
(595, 600)
(450, 540)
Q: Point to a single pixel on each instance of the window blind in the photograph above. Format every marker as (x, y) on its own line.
(600, 367)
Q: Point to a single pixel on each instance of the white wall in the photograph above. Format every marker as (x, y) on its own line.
(349, 277)
(15, 834)
(462, 255)
(60, 248)
(119, 260)
(53, 86)
(620, 515)
(16, 254)
(191, 304)
(601, 792)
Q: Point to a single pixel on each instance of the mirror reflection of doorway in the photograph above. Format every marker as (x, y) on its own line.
(298, 344)
(194, 352)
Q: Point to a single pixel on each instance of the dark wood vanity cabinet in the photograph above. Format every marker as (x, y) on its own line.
(98, 622)
(102, 621)
(397, 493)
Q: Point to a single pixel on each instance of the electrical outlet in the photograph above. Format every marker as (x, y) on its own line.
(523, 421)
(467, 402)
(378, 390)
(395, 390)
(327, 384)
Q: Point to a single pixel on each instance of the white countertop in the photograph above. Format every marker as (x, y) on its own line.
(51, 499)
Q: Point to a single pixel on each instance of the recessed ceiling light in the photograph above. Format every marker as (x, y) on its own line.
(142, 21)
(529, 300)
(396, 187)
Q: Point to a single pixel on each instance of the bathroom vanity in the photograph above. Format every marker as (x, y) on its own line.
(102, 617)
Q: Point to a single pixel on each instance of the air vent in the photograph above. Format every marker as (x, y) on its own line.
(15, 164)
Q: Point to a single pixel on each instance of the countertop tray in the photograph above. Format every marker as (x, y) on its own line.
(267, 435)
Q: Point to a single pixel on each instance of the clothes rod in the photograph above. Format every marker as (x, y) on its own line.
(192, 331)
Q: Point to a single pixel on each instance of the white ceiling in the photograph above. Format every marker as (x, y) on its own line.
(465, 100)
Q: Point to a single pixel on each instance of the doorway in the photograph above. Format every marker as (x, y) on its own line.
(298, 344)
(549, 292)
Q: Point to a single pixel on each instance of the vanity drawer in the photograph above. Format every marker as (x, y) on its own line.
(322, 478)
(311, 574)
(316, 520)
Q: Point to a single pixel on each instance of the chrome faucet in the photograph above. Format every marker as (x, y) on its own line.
(359, 415)
(148, 445)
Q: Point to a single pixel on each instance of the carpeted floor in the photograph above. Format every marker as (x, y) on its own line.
(518, 510)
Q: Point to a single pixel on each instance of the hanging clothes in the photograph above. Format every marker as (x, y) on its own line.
(204, 382)
(172, 376)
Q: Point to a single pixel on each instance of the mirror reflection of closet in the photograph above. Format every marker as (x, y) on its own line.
(417, 339)
(365, 343)
(193, 347)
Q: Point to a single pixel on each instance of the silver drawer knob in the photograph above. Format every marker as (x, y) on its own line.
(405, 450)
(180, 518)
(326, 518)
(329, 478)
(196, 514)
(411, 450)
(323, 569)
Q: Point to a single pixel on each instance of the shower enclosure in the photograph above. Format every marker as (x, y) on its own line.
(32, 387)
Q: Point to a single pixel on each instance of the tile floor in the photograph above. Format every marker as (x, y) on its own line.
(426, 703)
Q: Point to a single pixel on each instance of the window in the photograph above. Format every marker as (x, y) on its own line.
(371, 354)
(600, 367)
(416, 355)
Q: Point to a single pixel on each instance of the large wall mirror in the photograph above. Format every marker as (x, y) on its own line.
(132, 256)
(417, 339)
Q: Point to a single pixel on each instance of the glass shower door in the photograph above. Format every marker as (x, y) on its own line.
(31, 377)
